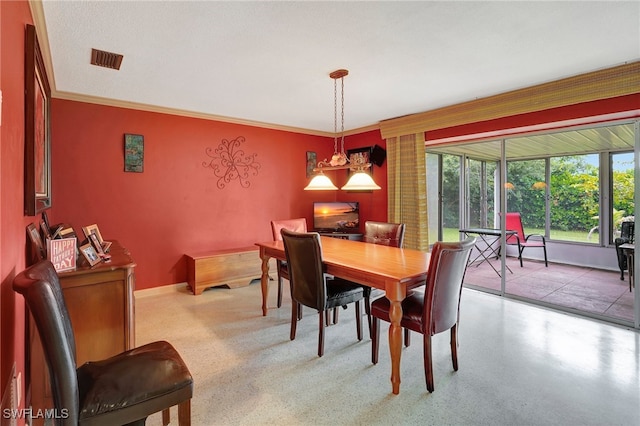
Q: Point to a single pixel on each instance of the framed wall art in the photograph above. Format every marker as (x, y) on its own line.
(366, 155)
(37, 163)
(133, 153)
(312, 162)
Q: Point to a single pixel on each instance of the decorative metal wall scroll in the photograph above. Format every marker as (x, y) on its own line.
(229, 163)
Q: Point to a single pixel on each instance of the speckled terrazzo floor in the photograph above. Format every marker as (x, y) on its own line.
(519, 365)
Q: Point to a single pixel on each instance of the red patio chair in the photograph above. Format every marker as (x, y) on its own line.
(514, 223)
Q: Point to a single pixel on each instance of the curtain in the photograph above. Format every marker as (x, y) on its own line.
(407, 188)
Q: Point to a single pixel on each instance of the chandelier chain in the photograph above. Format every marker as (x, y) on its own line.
(342, 115)
(335, 116)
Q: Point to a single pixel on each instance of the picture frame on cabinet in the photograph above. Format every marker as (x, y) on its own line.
(90, 254)
(92, 229)
(93, 239)
(37, 162)
(38, 251)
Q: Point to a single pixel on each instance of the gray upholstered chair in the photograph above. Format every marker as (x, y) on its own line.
(296, 225)
(434, 310)
(121, 390)
(312, 287)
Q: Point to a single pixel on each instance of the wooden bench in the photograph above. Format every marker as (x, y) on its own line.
(232, 267)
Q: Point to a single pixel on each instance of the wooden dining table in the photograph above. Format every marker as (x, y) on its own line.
(393, 270)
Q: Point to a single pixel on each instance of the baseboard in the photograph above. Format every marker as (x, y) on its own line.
(165, 289)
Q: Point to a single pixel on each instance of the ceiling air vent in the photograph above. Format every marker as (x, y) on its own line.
(106, 59)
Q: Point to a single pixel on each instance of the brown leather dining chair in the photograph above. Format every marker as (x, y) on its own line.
(312, 287)
(384, 233)
(121, 390)
(434, 310)
(296, 225)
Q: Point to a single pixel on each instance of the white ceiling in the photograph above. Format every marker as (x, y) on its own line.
(269, 61)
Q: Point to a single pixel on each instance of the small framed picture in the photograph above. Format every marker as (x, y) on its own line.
(92, 229)
(312, 162)
(360, 154)
(89, 253)
(46, 232)
(133, 153)
(37, 247)
(93, 239)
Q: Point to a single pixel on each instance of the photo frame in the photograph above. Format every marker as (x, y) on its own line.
(133, 153)
(38, 251)
(93, 239)
(37, 167)
(90, 254)
(92, 229)
(366, 153)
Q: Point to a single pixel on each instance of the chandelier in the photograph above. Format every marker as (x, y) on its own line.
(360, 180)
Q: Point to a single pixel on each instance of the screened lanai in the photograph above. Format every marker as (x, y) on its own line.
(572, 186)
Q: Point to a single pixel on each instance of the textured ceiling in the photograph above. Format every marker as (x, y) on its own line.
(269, 62)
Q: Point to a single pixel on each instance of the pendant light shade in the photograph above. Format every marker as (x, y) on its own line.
(320, 182)
(360, 181)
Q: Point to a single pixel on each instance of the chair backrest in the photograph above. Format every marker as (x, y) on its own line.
(41, 289)
(447, 267)
(296, 225)
(514, 223)
(306, 272)
(388, 234)
(627, 231)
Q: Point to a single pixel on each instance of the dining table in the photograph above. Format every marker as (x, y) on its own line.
(394, 270)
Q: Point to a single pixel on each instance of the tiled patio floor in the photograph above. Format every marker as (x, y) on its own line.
(586, 289)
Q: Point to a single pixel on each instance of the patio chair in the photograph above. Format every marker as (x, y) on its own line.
(626, 236)
(514, 223)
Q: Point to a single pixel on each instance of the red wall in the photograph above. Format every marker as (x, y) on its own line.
(13, 17)
(175, 206)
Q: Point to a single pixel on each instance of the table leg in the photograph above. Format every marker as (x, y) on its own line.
(264, 282)
(395, 343)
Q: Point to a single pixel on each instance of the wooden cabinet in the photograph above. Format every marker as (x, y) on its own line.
(231, 267)
(101, 307)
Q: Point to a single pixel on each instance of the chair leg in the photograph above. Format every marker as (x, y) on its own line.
(184, 413)
(279, 291)
(520, 250)
(454, 346)
(358, 320)
(367, 307)
(375, 338)
(428, 368)
(545, 256)
(321, 333)
(166, 416)
(294, 319)
(407, 338)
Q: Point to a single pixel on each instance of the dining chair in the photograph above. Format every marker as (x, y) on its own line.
(296, 225)
(121, 390)
(311, 286)
(384, 233)
(514, 223)
(434, 310)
